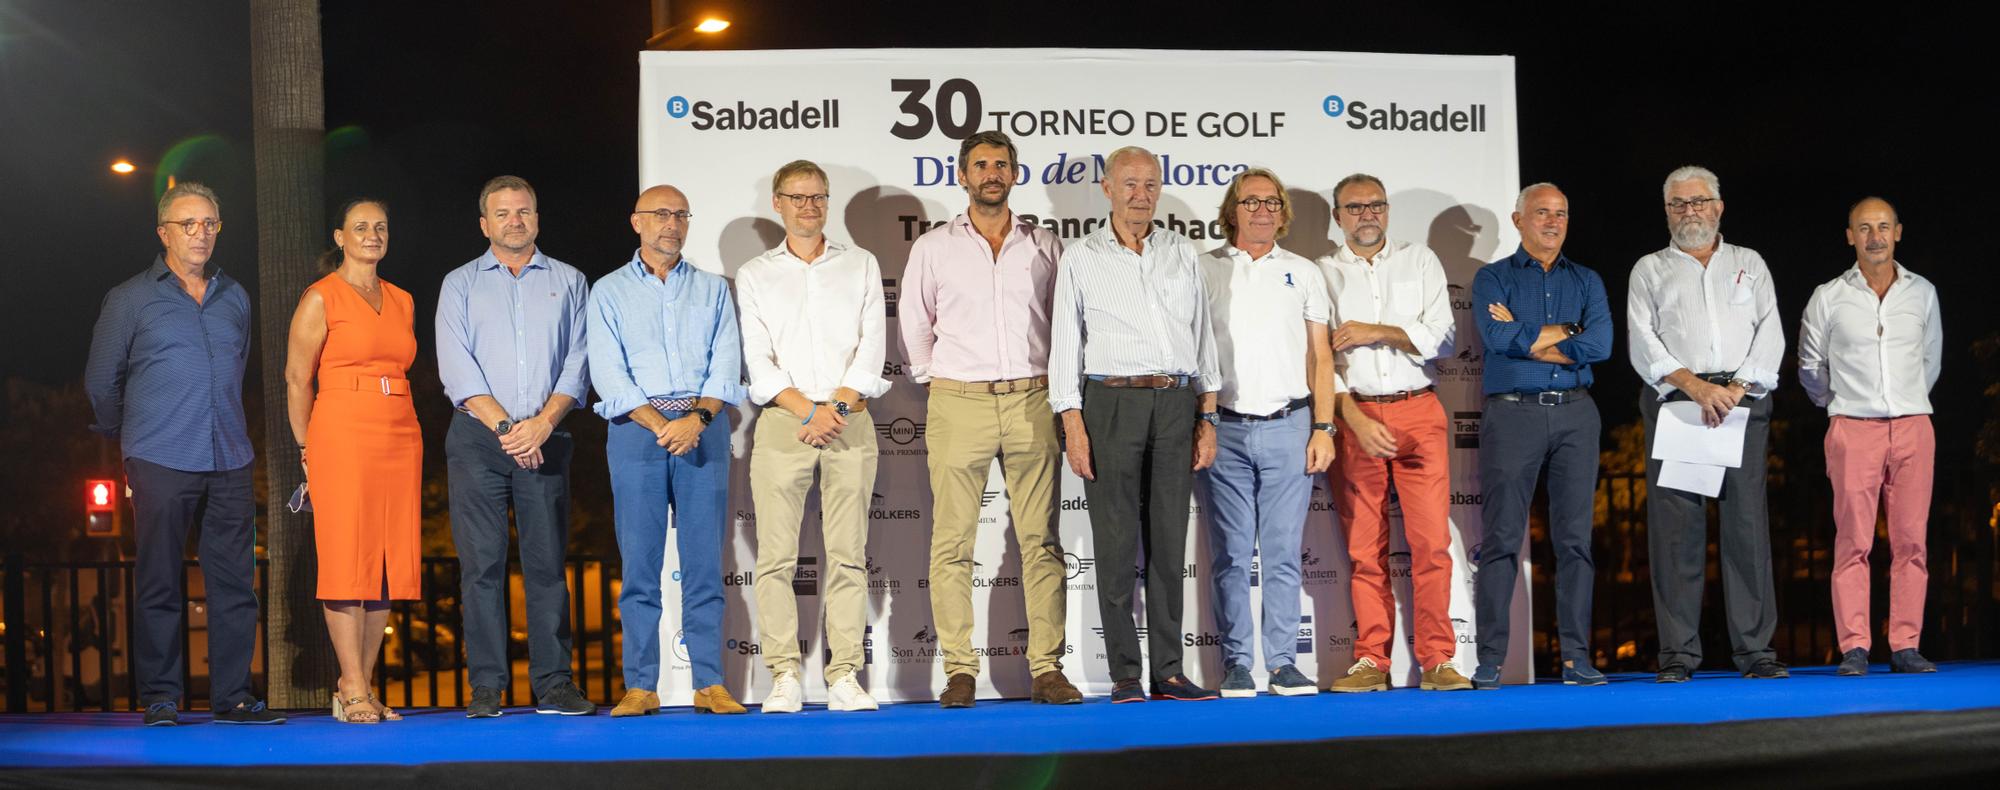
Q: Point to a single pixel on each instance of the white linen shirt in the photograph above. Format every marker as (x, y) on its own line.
(1122, 313)
(1259, 309)
(816, 326)
(1719, 318)
(1404, 287)
(1860, 356)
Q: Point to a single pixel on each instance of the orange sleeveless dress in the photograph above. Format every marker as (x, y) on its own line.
(364, 452)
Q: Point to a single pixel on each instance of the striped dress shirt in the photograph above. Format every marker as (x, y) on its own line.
(1123, 313)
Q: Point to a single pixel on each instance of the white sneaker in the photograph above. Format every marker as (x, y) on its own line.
(786, 696)
(847, 694)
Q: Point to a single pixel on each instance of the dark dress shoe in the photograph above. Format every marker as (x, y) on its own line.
(252, 712)
(1179, 689)
(1853, 663)
(1672, 673)
(958, 692)
(1767, 669)
(162, 714)
(1127, 691)
(485, 703)
(1909, 660)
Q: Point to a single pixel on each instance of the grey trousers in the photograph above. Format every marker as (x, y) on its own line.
(1677, 544)
(1516, 441)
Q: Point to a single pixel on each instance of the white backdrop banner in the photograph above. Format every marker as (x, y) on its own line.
(886, 125)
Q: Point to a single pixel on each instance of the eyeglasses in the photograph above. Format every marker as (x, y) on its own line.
(1358, 209)
(195, 227)
(1679, 206)
(1271, 204)
(799, 201)
(663, 215)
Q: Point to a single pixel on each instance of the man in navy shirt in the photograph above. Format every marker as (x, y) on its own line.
(1544, 319)
(165, 378)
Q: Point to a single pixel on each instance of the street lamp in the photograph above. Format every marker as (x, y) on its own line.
(123, 167)
(667, 35)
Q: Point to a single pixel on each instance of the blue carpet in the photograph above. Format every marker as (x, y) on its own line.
(1000, 728)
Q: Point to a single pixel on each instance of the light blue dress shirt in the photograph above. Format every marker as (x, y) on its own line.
(668, 339)
(519, 339)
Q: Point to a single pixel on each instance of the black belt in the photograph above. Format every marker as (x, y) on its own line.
(1549, 398)
(1299, 405)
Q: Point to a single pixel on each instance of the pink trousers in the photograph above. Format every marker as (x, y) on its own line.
(1885, 463)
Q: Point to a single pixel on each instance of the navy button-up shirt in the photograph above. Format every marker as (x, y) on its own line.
(519, 339)
(165, 374)
(1566, 293)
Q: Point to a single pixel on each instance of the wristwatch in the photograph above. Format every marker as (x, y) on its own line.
(1572, 329)
(840, 407)
(1326, 428)
(705, 415)
(1212, 418)
(503, 427)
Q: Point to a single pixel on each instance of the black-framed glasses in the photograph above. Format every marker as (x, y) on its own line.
(1271, 204)
(663, 214)
(800, 201)
(1358, 209)
(195, 227)
(1679, 206)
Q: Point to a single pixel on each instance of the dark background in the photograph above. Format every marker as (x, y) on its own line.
(1800, 114)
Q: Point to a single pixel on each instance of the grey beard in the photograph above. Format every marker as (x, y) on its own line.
(1694, 235)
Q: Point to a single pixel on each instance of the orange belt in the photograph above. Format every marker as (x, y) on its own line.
(382, 384)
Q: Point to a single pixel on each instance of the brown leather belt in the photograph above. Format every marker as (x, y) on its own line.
(1007, 387)
(382, 384)
(1393, 396)
(1156, 382)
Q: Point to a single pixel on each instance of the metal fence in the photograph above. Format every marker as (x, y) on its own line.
(68, 633)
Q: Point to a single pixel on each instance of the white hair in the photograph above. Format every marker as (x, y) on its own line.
(1111, 159)
(1691, 173)
(1521, 200)
(188, 189)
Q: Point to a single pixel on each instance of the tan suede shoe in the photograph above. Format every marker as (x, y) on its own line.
(959, 691)
(1363, 676)
(637, 702)
(1444, 677)
(716, 699)
(1054, 689)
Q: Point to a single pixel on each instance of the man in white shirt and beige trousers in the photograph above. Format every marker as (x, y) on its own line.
(814, 330)
(1869, 351)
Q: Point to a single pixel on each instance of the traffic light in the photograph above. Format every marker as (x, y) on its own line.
(100, 508)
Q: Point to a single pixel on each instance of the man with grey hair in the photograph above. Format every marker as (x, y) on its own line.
(165, 378)
(1133, 372)
(1703, 323)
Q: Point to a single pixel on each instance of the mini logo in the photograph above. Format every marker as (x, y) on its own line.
(986, 497)
(805, 577)
(901, 430)
(1074, 565)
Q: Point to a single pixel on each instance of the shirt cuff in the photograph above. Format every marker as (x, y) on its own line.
(728, 392)
(614, 407)
(1063, 403)
(868, 386)
(765, 389)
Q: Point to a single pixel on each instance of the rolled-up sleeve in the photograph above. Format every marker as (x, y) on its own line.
(760, 356)
(724, 381)
(458, 369)
(617, 393)
(1066, 339)
(1207, 361)
(864, 372)
(1767, 346)
(1434, 333)
(574, 380)
(916, 316)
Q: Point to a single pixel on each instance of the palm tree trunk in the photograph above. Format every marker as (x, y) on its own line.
(289, 115)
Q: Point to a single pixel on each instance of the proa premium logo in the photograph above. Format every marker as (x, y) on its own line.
(741, 115)
(1397, 118)
(1075, 568)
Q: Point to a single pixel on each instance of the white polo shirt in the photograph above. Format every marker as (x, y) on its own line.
(1259, 309)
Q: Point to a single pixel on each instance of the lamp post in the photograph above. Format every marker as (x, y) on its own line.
(667, 35)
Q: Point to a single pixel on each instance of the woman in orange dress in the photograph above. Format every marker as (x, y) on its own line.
(361, 449)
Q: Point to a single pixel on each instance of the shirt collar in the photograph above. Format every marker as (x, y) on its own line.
(1018, 225)
(1345, 254)
(639, 269)
(1521, 259)
(1237, 253)
(160, 271)
(1720, 247)
(784, 251)
(1854, 276)
(488, 261)
(1108, 236)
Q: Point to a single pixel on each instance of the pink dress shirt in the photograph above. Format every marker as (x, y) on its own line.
(969, 315)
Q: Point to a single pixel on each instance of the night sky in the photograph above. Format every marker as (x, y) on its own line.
(1799, 116)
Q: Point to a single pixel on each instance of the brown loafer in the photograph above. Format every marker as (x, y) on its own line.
(637, 702)
(716, 699)
(1053, 689)
(958, 691)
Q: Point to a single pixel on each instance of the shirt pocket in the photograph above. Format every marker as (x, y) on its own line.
(1744, 290)
(1406, 298)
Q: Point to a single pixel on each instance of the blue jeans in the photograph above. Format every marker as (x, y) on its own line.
(646, 481)
(1257, 494)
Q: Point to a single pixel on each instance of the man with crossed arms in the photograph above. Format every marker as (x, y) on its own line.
(976, 323)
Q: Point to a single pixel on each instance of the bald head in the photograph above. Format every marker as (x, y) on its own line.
(660, 217)
(1873, 230)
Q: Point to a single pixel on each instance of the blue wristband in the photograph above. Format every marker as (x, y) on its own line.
(809, 415)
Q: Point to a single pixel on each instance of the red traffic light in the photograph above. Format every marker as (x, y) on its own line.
(99, 496)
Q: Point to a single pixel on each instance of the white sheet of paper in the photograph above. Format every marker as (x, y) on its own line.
(1703, 479)
(1679, 435)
